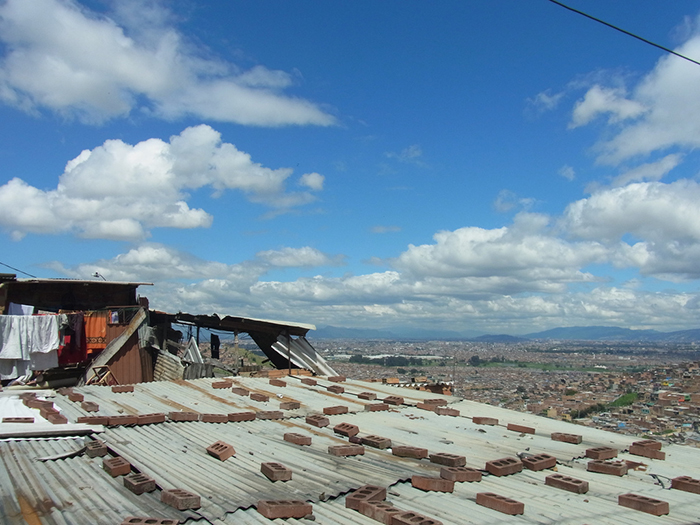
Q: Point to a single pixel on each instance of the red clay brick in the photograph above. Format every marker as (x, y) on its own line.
(270, 414)
(297, 439)
(409, 452)
(428, 483)
(346, 429)
(649, 505)
(150, 419)
(426, 406)
(96, 448)
(318, 420)
(539, 462)
(89, 406)
(649, 443)
(116, 466)
(346, 450)
(334, 411)
(57, 419)
(240, 391)
(337, 379)
(278, 382)
(520, 428)
(183, 416)
(214, 418)
(284, 508)
(567, 438)
(566, 483)
(449, 460)
(139, 483)
(647, 452)
(121, 389)
(33, 402)
(45, 412)
(615, 468)
(290, 405)
(445, 411)
(376, 442)
(376, 407)
(504, 466)
(686, 483)
(435, 402)
(123, 420)
(221, 450)
(276, 471)
(18, 420)
(336, 389)
(500, 503)
(355, 440)
(94, 420)
(460, 474)
(76, 397)
(601, 453)
(365, 493)
(242, 416)
(180, 499)
(380, 511)
(259, 397)
(481, 420)
(413, 518)
(64, 391)
(394, 400)
(308, 381)
(133, 520)
(222, 384)
(367, 396)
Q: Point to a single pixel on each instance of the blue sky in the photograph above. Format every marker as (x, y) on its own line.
(487, 166)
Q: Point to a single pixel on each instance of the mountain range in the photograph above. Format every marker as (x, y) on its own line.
(571, 333)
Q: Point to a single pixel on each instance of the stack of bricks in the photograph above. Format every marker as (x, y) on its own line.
(647, 448)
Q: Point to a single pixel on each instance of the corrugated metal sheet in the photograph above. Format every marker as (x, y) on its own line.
(175, 455)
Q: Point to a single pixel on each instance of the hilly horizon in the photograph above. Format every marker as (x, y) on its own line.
(572, 333)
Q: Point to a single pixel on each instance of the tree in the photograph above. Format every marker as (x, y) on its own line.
(475, 360)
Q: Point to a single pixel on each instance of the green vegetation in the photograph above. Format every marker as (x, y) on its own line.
(624, 400)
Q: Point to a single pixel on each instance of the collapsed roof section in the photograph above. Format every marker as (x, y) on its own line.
(284, 344)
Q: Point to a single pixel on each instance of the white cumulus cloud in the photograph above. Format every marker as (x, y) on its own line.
(63, 57)
(120, 191)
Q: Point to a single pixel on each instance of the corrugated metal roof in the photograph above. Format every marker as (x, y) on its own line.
(77, 490)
